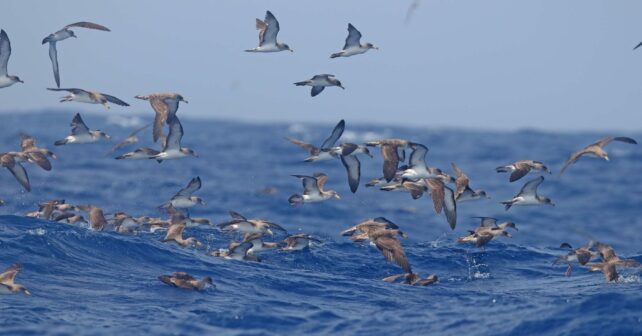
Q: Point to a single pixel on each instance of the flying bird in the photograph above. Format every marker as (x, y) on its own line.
(5, 52)
(63, 34)
(172, 148)
(393, 152)
(9, 161)
(595, 149)
(324, 152)
(241, 224)
(463, 190)
(186, 281)
(7, 281)
(268, 30)
(353, 44)
(319, 82)
(183, 198)
(90, 97)
(165, 106)
(519, 169)
(80, 133)
(313, 190)
(528, 195)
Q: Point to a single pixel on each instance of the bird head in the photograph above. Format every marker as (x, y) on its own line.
(371, 46)
(16, 79)
(189, 151)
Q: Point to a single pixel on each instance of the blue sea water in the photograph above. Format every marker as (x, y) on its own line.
(86, 282)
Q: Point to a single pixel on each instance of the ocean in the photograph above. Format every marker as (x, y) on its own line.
(85, 282)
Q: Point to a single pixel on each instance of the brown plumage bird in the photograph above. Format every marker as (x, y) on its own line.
(390, 247)
(7, 278)
(186, 281)
(165, 106)
(595, 149)
(392, 151)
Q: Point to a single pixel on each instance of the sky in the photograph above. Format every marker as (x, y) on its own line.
(494, 64)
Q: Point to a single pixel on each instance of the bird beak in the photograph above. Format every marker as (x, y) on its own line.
(270, 232)
(342, 87)
(27, 292)
(509, 235)
(291, 50)
(337, 196)
(553, 204)
(606, 158)
(374, 47)
(21, 81)
(185, 101)
(107, 136)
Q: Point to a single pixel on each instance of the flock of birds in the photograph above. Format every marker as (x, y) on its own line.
(416, 178)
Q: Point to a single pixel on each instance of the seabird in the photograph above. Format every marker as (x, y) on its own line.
(132, 138)
(97, 219)
(390, 247)
(463, 190)
(172, 148)
(582, 255)
(417, 164)
(313, 190)
(392, 151)
(9, 161)
(353, 44)
(528, 195)
(175, 234)
(610, 262)
(268, 30)
(186, 281)
(243, 225)
(595, 149)
(319, 82)
(360, 231)
(236, 251)
(7, 278)
(258, 244)
(5, 53)
(486, 231)
(63, 34)
(413, 279)
(139, 154)
(324, 152)
(348, 154)
(183, 198)
(165, 106)
(80, 133)
(520, 168)
(35, 154)
(298, 242)
(90, 97)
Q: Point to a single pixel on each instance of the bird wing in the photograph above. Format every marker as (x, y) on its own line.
(162, 111)
(388, 223)
(175, 230)
(353, 167)
(462, 180)
(40, 159)
(336, 134)
(182, 276)
(354, 37)
(637, 46)
(175, 135)
(114, 100)
(237, 216)
(450, 207)
(418, 156)
(308, 147)
(437, 193)
(574, 157)
(192, 186)
(487, 221)
(530, 188)
(20, 174)
(5, 52)
(583, 256)
(269, 33)
(316, 90)
(606, 141)
(310, 186)
(8, 276)
(390, 161)
(90, 25)
(391, 249)
(521, 169)
(53, 55)
(321, 179)
(78, 126)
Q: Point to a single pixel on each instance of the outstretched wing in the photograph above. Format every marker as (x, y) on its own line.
(310, 186)
(418, 156)
(20, 174)
(354, 37)
(391, 249)
(308, 147)
(606, 141)
(114, 100)
(5, 52)
(530, 188)
(573, 158)
(78, 126)
(89, 25)
(461, 182)
(192, 186)
(336, 134)
(390, 161)
(26, 142)
(450, 207)
(268, 35)
(53, 55)
(353, 167)
(175, 135)
(10, 273)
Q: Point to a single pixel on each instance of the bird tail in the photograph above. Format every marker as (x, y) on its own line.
(46, 39)
(60, 142)
(507, 204)
(142, 97)
(335, 55)
(502, 169)
(250, 50)
(301, 83)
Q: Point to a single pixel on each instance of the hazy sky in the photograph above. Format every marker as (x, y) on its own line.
(491, 64)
